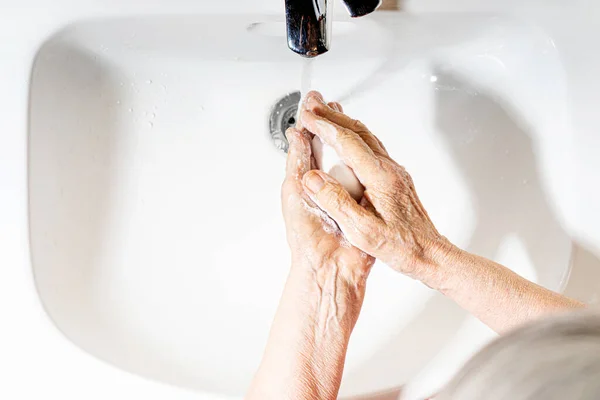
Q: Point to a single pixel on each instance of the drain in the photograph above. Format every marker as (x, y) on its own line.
(283, 116)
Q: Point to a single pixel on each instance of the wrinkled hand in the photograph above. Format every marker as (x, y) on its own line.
(314, 238)
(390, 223)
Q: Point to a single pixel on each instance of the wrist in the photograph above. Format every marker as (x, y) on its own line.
(320, 270)
(439, 258)
(329, 293)
(310, 335)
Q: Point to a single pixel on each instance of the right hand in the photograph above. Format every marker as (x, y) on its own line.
(390, 223)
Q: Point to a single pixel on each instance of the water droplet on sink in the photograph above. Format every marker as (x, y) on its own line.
(201, 108)
(149, 81)
(118, 101)
(130, 110)
(525, 181)
(150, 124)
(152, 115)
(433, 78)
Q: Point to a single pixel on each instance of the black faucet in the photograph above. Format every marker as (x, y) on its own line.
(309, 23)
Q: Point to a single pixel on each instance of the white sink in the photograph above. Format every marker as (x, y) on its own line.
(156, 233)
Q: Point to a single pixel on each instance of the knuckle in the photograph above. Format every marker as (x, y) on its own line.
(357, 126)
(332, 192)
(402, 178)
(396, 171)
(376, 242)
(380, 172)
(396, 181)
(320, 108)
(345, 136)
(334, 197)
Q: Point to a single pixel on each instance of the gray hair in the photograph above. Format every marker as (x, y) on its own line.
(551, 359)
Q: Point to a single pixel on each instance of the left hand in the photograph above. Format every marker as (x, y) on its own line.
(322, 298)
(314, 238)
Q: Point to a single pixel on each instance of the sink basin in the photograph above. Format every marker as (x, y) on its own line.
(156, 234)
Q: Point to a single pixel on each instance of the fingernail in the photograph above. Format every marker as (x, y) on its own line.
(313, 182)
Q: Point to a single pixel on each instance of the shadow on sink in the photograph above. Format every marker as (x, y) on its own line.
(495, 154)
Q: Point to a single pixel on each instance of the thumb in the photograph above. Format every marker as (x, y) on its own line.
(331, 197)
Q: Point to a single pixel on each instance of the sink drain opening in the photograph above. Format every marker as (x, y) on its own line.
(283, 116)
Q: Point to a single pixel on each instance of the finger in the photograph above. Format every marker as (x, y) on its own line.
(313, 94)
(313, 162)
(348, 145)
(367, 205)
(299, 154)
(336, 106)
(332, 198)
(315, 103)
(333, 112)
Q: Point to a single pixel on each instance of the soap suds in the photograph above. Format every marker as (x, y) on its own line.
(329, 225)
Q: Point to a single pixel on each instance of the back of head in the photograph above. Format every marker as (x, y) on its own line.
(551, 359)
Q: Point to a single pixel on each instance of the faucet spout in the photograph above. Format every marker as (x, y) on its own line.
(309, 23)
(360, 8)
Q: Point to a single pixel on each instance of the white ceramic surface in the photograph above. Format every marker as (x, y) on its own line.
(156, 238)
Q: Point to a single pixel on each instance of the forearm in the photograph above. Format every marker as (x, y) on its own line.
(305, 354)
(493, 293)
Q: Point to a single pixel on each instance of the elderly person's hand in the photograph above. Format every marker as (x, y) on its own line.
(392, 225)
(322, 299)
(314, 238)
(334, 241)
